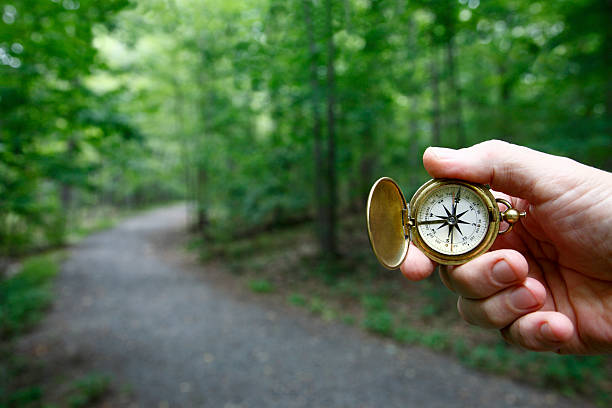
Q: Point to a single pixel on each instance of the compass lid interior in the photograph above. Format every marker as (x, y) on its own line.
(385, 215)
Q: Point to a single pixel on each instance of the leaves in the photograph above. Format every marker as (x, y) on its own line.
(128, 102)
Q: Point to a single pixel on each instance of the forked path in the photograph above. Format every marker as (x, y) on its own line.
(176, 340)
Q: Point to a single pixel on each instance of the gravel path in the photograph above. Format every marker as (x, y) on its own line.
(177, 340)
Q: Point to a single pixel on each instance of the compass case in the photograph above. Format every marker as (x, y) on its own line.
(493, 216)
(387, 214)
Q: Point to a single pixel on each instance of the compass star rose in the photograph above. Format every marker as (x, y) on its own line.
(452, 219)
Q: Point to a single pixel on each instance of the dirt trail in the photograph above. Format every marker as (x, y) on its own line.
(178, 341)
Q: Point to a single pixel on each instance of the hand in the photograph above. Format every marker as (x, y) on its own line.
(547, 285)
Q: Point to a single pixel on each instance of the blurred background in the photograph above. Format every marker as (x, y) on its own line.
(272, 118)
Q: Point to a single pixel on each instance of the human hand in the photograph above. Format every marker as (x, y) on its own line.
(547, 285)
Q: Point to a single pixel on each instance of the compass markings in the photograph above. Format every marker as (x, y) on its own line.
(465, 215)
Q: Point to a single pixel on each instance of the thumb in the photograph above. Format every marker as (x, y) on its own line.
(512, 169)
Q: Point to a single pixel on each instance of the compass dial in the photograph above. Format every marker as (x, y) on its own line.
(452, 219)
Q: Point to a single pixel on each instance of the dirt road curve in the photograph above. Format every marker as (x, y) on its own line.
(176, 340)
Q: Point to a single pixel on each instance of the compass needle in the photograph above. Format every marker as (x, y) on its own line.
(458, 229)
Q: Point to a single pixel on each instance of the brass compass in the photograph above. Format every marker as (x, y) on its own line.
(451, 221)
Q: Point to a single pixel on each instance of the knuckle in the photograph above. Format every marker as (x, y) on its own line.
(520, 335)
(494, 317)
(477, 278)
(494, 144)
(467, 281)
(479, 313)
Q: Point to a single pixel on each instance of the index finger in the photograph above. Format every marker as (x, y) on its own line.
(515, 170)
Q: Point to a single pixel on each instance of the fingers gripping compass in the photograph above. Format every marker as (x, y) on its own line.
(451, 221)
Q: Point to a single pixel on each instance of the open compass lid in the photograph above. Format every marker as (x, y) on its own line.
(387, 215)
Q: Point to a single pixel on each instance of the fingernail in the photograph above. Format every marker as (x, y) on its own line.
(522, 298)
(443, 153)
(502, 273)
(548, 333)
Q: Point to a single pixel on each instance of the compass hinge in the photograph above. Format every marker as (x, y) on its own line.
(407, 222)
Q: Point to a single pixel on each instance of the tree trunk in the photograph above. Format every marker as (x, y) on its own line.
(456, 106)
(435, 90)
(505, 90)
(66, 192)
(317, 126)
(415, 157)
(608, 63)
(330, 231)
(347, 15)
(179, 120)
(371, 96)
(201, 213)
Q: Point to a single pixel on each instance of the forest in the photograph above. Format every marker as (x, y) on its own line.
(265, 113)
(270, 120)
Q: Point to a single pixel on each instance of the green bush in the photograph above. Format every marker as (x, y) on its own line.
(373, 303)
(378, 318)
(406, 335)
(26, 295)
(317, 306)
(88, 390)
(379, 322)
(348, 319)
(24, 397)
(261, 286)
(436, 340)
(297, 300)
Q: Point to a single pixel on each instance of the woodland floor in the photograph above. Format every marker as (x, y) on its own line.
(169, 331)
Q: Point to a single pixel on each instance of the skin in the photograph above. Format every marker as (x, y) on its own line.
(546, 285)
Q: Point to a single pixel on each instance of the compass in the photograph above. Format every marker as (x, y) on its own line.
(451, 221)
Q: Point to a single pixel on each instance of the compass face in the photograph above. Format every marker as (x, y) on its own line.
(452, 219)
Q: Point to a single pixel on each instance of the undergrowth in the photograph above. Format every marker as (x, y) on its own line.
(355, 290)
(24, 297)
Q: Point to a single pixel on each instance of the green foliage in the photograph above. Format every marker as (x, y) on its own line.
(437, 340)
(571, 374)
(26, 295)
(62, 144)
(126, 103)
(379, 322)
(437, 295)
(25, 397)
(317, 306)
(406, 335)
(386, 305)
(261, 286)
(98, 224)
(297, 300)
(348, 319)
(374, 303)
(378, 318)
(88, 390)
